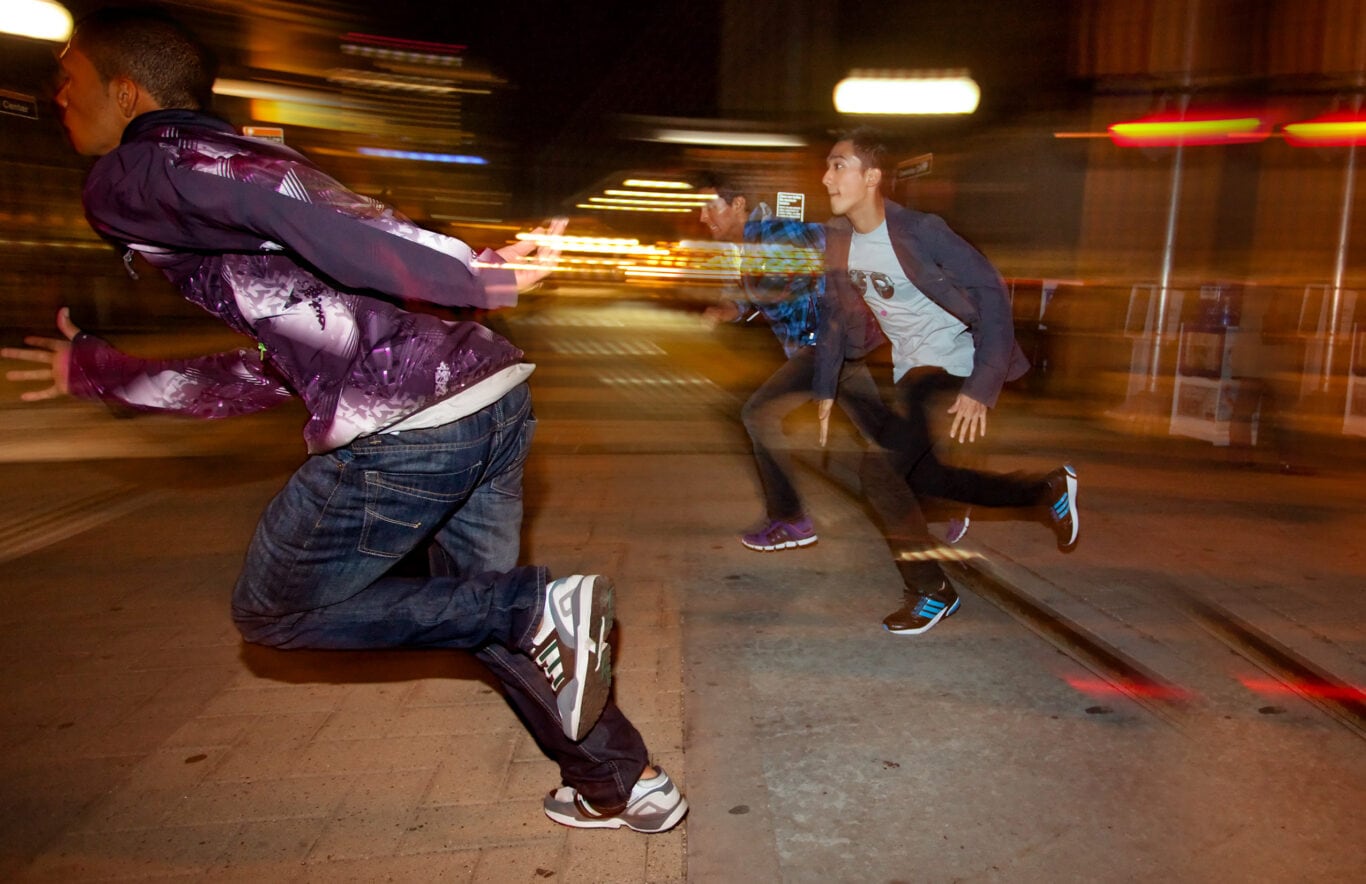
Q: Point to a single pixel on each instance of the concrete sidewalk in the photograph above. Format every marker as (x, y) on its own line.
(143, 740)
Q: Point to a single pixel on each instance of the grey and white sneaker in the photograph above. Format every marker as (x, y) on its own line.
(571, 647)
(655, 805)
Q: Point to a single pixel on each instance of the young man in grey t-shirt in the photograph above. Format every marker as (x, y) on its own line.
(944, 308)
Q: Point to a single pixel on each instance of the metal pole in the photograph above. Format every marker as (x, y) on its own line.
(1174, 204)
(1340, 266)
(1168, 251)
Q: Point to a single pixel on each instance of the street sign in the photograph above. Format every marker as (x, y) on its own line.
(915, 167)
(18, 104)
(792, 205)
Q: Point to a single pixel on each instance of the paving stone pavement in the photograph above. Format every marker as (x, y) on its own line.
(142, 739)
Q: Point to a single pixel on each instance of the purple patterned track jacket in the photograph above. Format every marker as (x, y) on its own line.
(255, 234)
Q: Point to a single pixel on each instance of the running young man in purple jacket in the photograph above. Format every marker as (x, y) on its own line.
(418, 427)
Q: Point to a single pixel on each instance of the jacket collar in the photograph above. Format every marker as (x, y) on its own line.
(152, 120)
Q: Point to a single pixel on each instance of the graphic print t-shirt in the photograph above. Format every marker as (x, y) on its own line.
(921, 332)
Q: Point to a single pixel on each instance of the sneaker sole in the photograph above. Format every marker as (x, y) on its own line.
(616, 822)
(581, 702)
(947, 612)
(790, 544)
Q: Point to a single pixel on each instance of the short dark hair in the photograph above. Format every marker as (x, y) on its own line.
(149, 47)
(870, 146)
(723, 185)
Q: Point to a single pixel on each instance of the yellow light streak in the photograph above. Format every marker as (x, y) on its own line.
(688, 198)
(1187, 128)
(607, 208)
(658, 184)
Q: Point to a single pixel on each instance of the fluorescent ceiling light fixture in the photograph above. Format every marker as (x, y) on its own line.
(1330, 130)
(905, 93)
(1169, 132)
(36, 19)
(726, 139)
(421, 157)
(657, 184)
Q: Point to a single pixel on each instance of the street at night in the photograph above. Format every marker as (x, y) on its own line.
(1172, 701)
(729, 441)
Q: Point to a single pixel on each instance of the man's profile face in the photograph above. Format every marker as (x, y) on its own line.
(90, 109)
(726, 221)
(846, 181)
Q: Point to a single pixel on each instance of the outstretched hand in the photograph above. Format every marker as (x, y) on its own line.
(969, 419)
(823, 409)
(55, 353)
(535, 257)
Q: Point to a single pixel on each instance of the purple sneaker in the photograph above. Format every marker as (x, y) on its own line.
(780, 534)
(957, 528)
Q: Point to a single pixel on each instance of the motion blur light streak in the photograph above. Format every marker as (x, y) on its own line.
(906, 93)
(694, 199)
(726, 139)
(400, 83)
(272, 92)
(36, 19)
(611, 208)
(593, 244)
(1308, 689)
(1127, 687)
(396, 49)
(421, 156)
(623, 201)
(657, 184)
(1330, 130)
(1191, 130)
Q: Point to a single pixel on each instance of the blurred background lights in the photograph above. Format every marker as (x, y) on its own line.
(725, 138)
(36, 19)
(1169, 132)
(657, 184)
(1330, 130)
(422, 156)
(907, 92)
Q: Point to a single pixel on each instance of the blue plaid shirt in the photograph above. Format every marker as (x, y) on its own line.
(783, 278)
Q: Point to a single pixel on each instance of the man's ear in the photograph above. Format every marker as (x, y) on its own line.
(740, 204)
(126, 94)
(873, 178)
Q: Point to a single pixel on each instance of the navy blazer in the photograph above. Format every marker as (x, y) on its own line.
(950, 272)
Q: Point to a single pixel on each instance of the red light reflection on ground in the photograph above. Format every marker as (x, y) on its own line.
(1127, 687)
(1321, 690)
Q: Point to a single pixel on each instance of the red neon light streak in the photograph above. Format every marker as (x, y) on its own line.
(1273, 687)
(1341, 129)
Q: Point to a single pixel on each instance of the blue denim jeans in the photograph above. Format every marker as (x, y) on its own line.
(914, 458)
(317, 573)
(784, 392)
